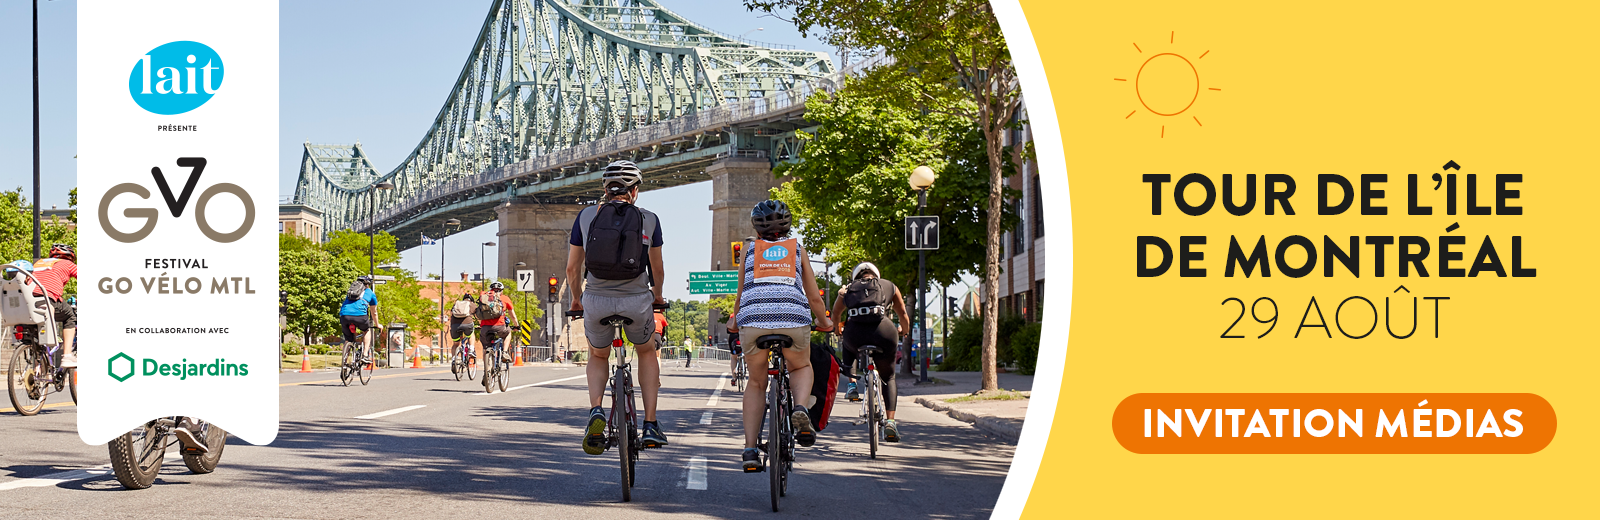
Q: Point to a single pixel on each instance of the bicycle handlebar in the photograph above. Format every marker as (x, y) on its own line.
(654, 306)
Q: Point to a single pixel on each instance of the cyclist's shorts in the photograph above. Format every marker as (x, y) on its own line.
(460, 327)
(353, 327)
(487, 335)
(637, 308)
(801, 336)
(66, 316)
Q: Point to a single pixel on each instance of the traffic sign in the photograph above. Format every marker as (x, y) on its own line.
(525, 281)
(713, 276)
(922, 233)
(714, 287)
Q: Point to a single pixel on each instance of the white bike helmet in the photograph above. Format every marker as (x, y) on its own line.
(865, 267)
(620, 176)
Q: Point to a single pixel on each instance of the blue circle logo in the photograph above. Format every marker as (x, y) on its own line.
(775, 253)
(175, 78)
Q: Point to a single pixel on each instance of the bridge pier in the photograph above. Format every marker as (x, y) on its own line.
(737, 185)
(537, 234)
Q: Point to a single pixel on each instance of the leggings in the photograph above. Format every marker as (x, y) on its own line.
(883, 358)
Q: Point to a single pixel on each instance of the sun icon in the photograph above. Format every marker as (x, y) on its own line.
(1167, 84)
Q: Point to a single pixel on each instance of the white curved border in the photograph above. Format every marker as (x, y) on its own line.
(1058, 264)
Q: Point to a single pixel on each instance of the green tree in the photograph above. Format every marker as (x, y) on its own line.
(687, 318)
(529, 307)
(16, 230)
(354, 246)
(315, 282)
(950, 58)
(401, 301)
(849, 190)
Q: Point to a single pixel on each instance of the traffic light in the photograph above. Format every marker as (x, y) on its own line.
(827, 311)
(283, 302)
(738, 254)
(553, 297)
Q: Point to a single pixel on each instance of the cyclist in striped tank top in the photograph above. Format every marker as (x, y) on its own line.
(777, 295)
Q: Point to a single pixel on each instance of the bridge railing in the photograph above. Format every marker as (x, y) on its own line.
(683, 126)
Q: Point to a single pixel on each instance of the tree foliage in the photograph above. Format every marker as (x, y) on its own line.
(315, 282)
(353, 246)
(850, 195)
(687, 318)
(16, 230)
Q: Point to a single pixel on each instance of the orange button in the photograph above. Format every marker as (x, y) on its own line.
(1334, 423)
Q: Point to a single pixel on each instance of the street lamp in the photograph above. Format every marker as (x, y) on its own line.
(921, 180)
(443, 322)
(483, 269)
(372, 221)
(36, 202)
(747, 33)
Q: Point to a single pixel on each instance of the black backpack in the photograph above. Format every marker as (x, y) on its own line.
(356, 290)
(615, 245)
(865, 293)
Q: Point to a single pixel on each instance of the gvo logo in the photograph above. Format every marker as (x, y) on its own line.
(775, 253)
(176, 205)
(176, 77)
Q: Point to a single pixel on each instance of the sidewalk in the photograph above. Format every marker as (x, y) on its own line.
(1000, 418)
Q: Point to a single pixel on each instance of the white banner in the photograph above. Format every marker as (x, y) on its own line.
(177, 175)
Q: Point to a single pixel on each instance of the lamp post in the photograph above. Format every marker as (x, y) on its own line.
(442, 321)
(921, 179)
(36, 130)
(483, 269)
(372, 222)
(747, 33)
(385, 329)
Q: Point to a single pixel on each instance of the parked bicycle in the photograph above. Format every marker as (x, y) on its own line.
(136, 456)
(622, 427)
(35, 370)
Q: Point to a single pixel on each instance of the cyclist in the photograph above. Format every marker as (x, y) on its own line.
(353, 313)
(864, 304)
(777, 295)
(736, 350)
(608, 290)
(53, 274)
(495, 327)
(461, 322)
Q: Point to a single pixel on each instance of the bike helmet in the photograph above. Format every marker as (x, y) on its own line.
(771, 219)
(63, 251)
(863, 268)
(497, 286)
(364, 279)
(621, 176)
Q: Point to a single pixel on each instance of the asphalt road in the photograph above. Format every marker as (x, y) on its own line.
(505, 455)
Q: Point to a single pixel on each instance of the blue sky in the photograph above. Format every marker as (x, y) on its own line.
(350, 71)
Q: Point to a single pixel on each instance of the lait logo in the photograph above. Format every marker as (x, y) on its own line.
(176, 77)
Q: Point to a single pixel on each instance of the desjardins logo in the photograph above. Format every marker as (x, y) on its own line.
(122, 367)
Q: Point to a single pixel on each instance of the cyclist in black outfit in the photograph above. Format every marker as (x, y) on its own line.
(864, 305)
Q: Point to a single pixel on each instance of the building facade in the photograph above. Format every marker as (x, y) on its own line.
(301, 220)
(1022, 282)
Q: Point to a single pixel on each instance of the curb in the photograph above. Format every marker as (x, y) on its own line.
(1002, 428)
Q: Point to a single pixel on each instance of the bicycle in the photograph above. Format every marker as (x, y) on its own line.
(778, 443)
(496, 372)
(462, 359)
(136, 456)
(872, 410)
(356, 361)
(622, 408)
(741, 374)
(35, 370)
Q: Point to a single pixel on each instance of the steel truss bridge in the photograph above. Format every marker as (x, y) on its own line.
(555, 89)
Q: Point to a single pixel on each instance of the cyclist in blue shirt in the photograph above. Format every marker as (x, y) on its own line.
(353, 322)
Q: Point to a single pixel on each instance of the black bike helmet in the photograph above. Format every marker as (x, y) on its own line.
(63, 251)
(771, 219)
(496, 286)
(364, 279)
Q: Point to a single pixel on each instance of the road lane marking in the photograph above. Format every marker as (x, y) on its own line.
(55, 479)
(705, 418)
(374, 377)
(48, 406)
(387, 413)
(541, 383)
(697, 473)
(715, 396)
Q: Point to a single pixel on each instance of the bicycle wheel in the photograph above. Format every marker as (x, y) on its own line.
(491, 369)
(469, 361)
(72, 375)
(775, 445)
(624, 431)
(136, 456)
(202, 463)
(874, 426)
(505, 375)
(22, 378)
(457, 364)
(346, 363)
(364, 365)
(741, 378)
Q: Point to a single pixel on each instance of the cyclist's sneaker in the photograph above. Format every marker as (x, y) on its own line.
(188, 434)
(752, 460)
(803, 432)
(594, 437)
(652, 436)
(851, 393)
(891, 431)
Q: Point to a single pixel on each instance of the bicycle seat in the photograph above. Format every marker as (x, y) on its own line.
(770, 341)
(614, 319)
(867, 350)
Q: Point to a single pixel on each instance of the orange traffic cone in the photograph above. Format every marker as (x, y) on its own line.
(305, 360)
(416, 358)
(518, 363)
